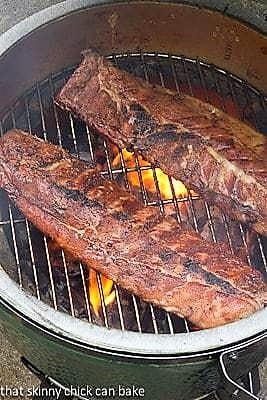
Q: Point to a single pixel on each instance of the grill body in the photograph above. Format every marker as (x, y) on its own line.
(70, 365)
(183, 366)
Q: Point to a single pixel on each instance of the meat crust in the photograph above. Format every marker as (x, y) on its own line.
(219, 157)
(106, 227)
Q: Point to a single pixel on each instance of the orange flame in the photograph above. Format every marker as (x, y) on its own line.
(95, 294)
(163, 180)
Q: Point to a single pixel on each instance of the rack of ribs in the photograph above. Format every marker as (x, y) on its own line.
(219, 157)
(106, 227)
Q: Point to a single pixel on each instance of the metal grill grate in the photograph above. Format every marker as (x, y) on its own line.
(64, 284)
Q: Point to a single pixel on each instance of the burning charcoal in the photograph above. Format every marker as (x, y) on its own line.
(62, 295)
(259, 245)
(7, 257)
(57, 261)
(131, 319)
(70, 298)
(255, 112)
(162, 321)
(63, 263)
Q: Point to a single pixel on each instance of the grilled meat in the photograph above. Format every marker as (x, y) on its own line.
(219, 157)
(104, 226)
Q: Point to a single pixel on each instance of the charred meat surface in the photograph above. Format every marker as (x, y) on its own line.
(219, 157)
(106, 227)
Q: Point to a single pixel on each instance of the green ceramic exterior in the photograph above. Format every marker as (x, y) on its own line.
(69, 365)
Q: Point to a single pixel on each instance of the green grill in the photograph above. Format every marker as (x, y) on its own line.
(46, 309)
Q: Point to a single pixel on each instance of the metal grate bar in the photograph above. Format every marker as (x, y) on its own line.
(160, 201)
(68, 283)
(32, 260)
(210, 221)
(41, 111)
(109, 162)
(137, 314)
(90, 144)
(263, 256)
(102, 299)
(7, 222)
(251, 385)
(154, 321)
(250, 107)
(89, 315)
(202, 81)
(140, 177)
(177, 86)
(73, 134)
(52, 94)
(118, 300)
(28, 114)
(51, 277)
(245, 244)
(188, 80)
(15, 246)
(229, 239)
(126, 181)
(218, 90)
(175, 202)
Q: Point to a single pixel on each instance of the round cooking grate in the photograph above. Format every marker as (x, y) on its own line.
(41, 268)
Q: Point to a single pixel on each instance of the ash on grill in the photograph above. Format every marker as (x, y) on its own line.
(42, 268)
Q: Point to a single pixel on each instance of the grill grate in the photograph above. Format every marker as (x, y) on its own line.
(66, 287)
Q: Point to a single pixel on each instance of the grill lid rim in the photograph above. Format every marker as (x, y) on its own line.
(127, 341)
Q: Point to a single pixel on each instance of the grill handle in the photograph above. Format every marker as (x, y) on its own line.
(239, 360)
